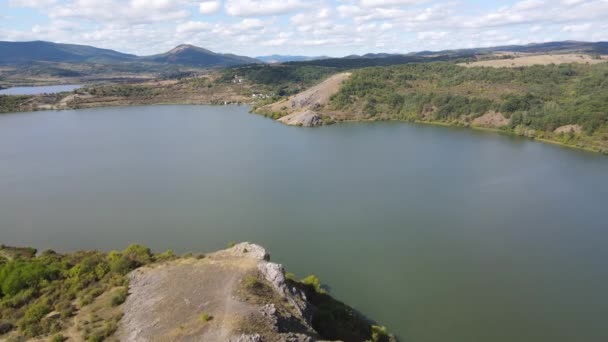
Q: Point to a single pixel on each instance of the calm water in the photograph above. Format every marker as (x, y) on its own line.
(39, 90)
(442, 234)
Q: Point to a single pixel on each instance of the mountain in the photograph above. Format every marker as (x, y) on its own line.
(186, 54)
(40, 51)
(288, 58)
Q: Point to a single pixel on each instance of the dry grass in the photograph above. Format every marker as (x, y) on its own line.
(521, 61)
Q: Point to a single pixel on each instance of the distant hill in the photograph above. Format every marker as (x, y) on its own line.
(288, 58)
(549, 47)
(186, 54)
(386, 59)
(40, 51)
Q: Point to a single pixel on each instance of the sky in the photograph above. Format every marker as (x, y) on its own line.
(302, 27)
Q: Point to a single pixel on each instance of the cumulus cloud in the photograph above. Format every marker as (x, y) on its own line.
(577, 28)
(315, 27)
(388, 3)
(193, 26)
(209, 7)
(250, 8)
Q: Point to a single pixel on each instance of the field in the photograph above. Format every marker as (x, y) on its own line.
(520, 60)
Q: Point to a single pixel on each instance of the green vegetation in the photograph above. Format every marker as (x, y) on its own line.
(205, 317)
(12, 103)
(38, 293)
(120, 296)
(129, 91)
(281, 80)
(313, 282)
(536, 99)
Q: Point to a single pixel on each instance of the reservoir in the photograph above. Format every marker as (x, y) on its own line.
(441, 234)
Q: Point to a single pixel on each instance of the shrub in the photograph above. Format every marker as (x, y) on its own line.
(139, 255)
(6, 327)
(58, 338)
(119, 297)
(380, 334)
(205, 317)
(314, 282)
(166, 255)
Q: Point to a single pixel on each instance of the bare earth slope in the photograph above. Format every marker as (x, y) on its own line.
(303, 109)
(231, 295)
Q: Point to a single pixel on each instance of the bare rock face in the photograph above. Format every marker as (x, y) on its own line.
(244, 250)
(275, 274)
(247, 338)
(306, 118)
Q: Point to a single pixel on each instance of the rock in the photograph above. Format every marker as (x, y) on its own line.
(247, 250)
(569, 129)
(53, 315)
(306, 118)
(247, 338)
(275, 274)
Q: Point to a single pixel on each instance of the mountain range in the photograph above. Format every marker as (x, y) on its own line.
(41, 51)
(189, 55)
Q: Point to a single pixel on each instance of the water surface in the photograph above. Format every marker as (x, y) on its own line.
(52, 89)
(442, 234)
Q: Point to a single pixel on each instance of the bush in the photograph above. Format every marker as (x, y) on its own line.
(314, 282)
(5, 327)
(119, 297)
(30, 323)
(138, 255)
(58, 338)
(165, 256)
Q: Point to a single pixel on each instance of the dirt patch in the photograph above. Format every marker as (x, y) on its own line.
(537, 60)
(312, 98)
(569, 129)
(491, 119)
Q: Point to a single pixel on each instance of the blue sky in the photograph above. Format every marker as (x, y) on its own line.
(303, 27)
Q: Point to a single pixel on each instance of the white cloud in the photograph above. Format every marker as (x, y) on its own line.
(32, 3)
(193, 26)
(319, 27)
(251, 8)
(250, 24)
(209, 7)
(389, 3)
(431, 35)
(576, 28)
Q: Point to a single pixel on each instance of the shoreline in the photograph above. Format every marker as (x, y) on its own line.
(478, 128)
(433, 123)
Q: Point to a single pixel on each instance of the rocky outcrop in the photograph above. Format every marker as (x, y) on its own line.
(235, 295)
(569, 129)
(306, 119)
(491, 119)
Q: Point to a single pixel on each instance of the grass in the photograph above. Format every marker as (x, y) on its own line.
(205, 317)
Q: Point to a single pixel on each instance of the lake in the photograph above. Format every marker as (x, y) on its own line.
(442, 234)
(52, 89)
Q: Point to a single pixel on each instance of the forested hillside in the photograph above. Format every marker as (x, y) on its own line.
(535, 100)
